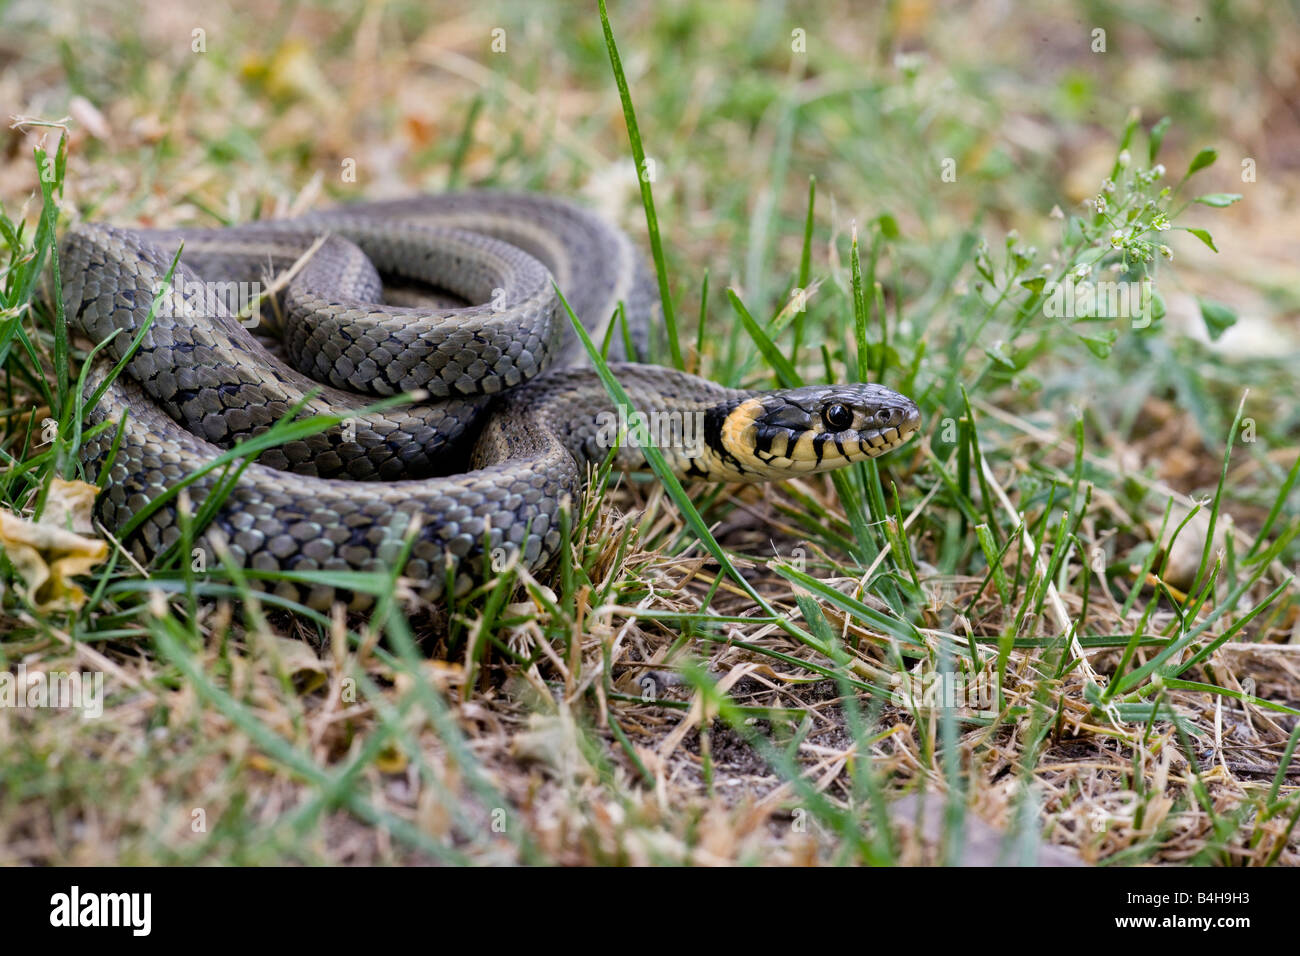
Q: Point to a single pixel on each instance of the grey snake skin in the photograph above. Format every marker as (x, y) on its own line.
(450, 297)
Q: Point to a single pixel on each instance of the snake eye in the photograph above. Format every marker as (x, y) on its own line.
(837, 416)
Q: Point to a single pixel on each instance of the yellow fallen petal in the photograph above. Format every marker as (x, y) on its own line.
(261, 762)
(391, 760)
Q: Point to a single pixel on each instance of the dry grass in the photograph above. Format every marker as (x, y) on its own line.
(659, 716)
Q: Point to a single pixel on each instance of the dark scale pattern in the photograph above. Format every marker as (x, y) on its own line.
(201, 382)
(207, 371)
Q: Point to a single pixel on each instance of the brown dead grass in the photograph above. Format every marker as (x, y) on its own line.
(125, 789)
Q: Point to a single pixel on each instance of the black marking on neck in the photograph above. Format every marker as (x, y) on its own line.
(715, 417)
(693, 470)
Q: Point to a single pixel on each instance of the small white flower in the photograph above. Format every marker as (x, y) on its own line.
(1124, 159)
(1166, 252)
(1116, 239)
(1158, 169)
(909, 62)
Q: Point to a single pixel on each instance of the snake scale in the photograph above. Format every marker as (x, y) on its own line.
(448, 297)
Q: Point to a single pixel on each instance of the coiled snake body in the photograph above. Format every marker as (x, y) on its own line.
(201, 382)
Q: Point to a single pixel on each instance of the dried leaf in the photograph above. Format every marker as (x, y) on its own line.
(48, 553)
(301, 664)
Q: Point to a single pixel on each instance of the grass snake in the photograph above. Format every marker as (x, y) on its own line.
(450, 297)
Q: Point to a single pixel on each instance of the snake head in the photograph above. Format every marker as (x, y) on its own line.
(816, 428)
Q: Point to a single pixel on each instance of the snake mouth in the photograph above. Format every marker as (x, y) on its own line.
(876, 442)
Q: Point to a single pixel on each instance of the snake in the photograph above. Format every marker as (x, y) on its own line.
(448, 412)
